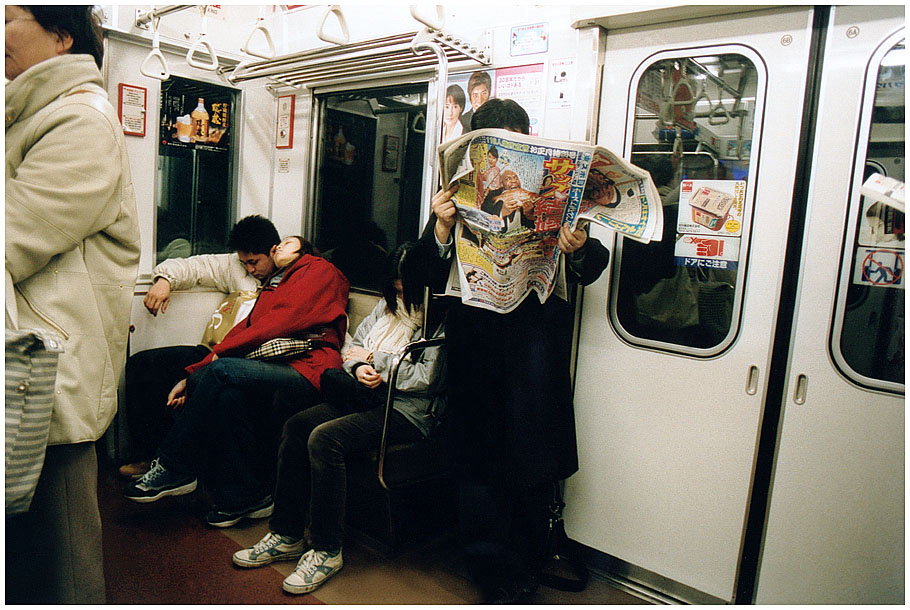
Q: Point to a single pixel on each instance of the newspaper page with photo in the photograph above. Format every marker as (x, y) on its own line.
(514, 194)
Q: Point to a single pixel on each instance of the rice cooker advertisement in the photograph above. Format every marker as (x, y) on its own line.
(710, 223)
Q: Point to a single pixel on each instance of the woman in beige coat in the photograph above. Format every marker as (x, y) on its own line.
(72, 251)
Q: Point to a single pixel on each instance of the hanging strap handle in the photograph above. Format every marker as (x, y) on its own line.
(436, 24)
(202, 43)
(342, 22)
(259, 27)
(162, 73)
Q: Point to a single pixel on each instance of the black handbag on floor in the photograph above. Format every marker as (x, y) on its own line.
(558, 551)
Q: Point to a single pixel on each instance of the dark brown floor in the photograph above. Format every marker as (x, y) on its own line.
(163, 553)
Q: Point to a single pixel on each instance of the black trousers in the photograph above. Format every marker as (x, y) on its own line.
(503, 532)
(150, 376)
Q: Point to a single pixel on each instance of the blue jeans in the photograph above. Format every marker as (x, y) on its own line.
(219, 431)
(311, 489)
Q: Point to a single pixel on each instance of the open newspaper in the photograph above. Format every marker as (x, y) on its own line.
(515, 192)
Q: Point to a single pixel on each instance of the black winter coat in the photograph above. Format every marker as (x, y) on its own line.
(510, 395)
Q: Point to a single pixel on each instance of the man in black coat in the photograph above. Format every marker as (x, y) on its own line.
(510, 400)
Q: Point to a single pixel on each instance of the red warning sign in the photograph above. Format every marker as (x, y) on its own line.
(880, 267)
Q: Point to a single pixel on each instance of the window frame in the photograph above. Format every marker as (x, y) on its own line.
(853, 209)
(761, 87)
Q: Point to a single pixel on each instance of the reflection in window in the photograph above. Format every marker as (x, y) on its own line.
(369, 177)
(693, 133)
(872, 328)
(195, 168)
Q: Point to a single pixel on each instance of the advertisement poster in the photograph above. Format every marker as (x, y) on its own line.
(710, 223)
(529, 39)
(195, 115)
(466, 93)
(524, 84)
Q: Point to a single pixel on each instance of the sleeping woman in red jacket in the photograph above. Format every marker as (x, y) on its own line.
(227, 396)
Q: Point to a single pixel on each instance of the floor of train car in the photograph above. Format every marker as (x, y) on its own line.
(163, 553)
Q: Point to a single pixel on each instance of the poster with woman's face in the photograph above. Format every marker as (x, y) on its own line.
(465, 93)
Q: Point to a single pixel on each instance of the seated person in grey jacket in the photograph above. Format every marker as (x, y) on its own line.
(310, 492)
(150, 374)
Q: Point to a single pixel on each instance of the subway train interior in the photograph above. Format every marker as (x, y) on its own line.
(740, 430)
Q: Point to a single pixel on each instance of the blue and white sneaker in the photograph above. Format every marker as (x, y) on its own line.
(272, 547)
(313, 569)
(159, 482)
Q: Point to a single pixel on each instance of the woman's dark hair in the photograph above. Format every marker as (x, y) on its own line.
(78, 21)
(501, 113)
(405, 265)
(493, 151)
(254, 234)
(455, 92)
(305, 246)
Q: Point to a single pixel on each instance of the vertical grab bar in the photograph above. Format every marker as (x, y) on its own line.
(432, 135)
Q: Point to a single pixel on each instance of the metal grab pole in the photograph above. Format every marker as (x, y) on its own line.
(432, 135)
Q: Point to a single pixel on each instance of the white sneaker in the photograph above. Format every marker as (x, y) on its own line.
(313, 569)
(272, 547)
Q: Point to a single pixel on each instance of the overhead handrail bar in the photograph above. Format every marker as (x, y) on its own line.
(380, 53)
(278, 64)
(203, 44)
(436, 24)
(146, 16)
(155, 55)
(335, 9)
(361, 66)
(259, 27)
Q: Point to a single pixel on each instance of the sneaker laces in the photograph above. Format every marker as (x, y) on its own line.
(270, 540)
(155, 470)
(310, 562)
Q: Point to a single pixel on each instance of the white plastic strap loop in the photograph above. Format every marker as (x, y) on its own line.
(162, 73)
(435, 24)
(342, 22)
(268, 39)
(203, 44)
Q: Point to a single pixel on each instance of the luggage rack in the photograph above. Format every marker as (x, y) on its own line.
(357, 61)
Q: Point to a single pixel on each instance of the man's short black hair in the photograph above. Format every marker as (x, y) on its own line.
(254, 234)
(503, 114)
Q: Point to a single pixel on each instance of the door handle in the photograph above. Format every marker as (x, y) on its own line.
(799, 395)
(752, 380)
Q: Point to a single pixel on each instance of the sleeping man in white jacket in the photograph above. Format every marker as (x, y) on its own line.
(151, 374)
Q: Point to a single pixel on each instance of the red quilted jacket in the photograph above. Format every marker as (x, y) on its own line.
(312, 294)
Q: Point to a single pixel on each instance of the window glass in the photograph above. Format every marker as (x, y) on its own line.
(871, 302)
(369, 177)
(195, 168)
(692, 130)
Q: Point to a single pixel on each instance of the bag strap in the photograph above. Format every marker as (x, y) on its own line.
(557, 549)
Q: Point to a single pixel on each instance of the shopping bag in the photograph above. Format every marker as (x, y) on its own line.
(31, 371)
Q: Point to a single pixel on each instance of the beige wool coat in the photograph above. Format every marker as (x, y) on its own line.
(72, 237)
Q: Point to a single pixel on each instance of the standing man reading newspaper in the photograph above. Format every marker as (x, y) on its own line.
(511, 400)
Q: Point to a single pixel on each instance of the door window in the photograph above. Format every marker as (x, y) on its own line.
(693, 129)
(869, 321)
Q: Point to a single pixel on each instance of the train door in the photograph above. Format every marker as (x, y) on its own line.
(835, 524)
(675, 342)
